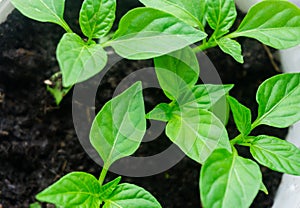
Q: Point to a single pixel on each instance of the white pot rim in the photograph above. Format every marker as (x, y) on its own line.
(5, 9)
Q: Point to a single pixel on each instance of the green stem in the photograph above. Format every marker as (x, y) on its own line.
(240, 139)
(106, 43)
(103, 175)
(237, 139)
(255, 124)
(204, 46)
(66, 26)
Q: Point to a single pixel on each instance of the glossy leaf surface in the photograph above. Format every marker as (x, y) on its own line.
(274, 23)
(228, 180)
(79, 61)
(97, 17)
(276, 154)
(147, 33)
(119, 127)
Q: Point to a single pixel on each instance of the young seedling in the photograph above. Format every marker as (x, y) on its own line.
(164, 30)
(114, 136)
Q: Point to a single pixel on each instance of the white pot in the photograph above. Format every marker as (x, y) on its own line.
(289, 189)
(5, 9)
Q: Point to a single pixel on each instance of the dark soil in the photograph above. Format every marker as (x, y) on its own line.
(38, 143)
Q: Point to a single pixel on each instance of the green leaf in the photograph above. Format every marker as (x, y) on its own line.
(191, 12)
(241, 115)
(274, 23)
(79, 61)
(276, 154)
(54, 86)
(227, 180)
(119, 127)
(263, 188)
(42, 10)
(205, 96)
(161, 112)
(97, 17)
(77, 189)
(35, 205)
(278, 99)
(177, 71)
(129, 195)
(197, 132)
(221, 15)
(147, 33)
(231, 47)
(58, 93)
(107, 189)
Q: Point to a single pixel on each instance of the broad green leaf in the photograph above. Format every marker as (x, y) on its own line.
(231, 47)
(107, 189)
(276, 154)
(228, 180)
(221, 15)
(77, 189)
(241, 115)
(129, 195)
(42, 10)
(97, 17)
(191, 12)
(278, 99)
(119, 127)
(147, 33)
(177, 71)
(161, 112)
(274, 23)
(79, 61)
(197, 132)
(205, 96)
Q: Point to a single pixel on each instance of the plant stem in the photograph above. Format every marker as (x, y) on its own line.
(236, 140)
(240, 138)
(204, 46)
(66, 26)
(102, 175)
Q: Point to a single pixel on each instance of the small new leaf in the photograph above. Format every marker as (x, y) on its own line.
(129, 195)
(147, 33)
(278, 99)
(77, 189)
(107, 189)
(275, 23)
(228, 180)
(161, 112)
(204, 96)
(119, 127)
(231, 47)
(97, 17)
(241, 115)
(221, 15)
(276, 154)
(79, 61)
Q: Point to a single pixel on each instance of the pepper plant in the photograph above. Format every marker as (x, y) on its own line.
(164, 30)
